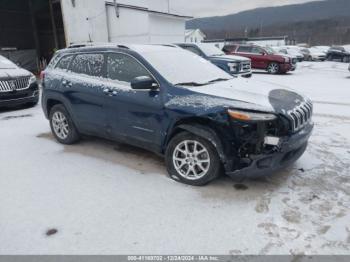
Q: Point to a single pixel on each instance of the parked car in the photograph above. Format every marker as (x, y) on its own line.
(317, 55)
(234, 65)
(307, 54)
(338, 53)
(277, 50)
(292, 51)
(178, 105)
(262, 58)
(17, 86)
(321, 48)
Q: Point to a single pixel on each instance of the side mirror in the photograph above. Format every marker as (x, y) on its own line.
(144, 83)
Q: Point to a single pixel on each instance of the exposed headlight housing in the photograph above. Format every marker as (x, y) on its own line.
(250, 116)
(233, 67)
(286, 59)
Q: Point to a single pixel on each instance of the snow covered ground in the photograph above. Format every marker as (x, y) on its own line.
(104, 198)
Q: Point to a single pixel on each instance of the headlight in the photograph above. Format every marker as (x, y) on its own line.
(32, 79)
(233, 67)
(286, 60)
(250, 116)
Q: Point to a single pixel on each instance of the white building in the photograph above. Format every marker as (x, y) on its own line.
(122, 21)
(194, 36)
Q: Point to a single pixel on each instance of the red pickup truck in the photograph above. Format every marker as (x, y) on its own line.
(262, 58)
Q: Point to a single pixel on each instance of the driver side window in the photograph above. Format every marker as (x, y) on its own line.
(257, 50)
(124, 68)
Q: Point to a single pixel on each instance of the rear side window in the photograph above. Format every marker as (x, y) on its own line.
(88, 64)
(64, 62)
(244, 49)
(124, 68)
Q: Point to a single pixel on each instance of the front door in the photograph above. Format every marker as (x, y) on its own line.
(133, 115)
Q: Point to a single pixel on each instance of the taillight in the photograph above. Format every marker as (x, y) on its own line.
(42, 75)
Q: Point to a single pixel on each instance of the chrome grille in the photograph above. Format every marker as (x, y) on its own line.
(14, 84)
(245, 66)
(301, 116)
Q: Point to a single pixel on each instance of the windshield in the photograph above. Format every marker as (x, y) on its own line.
(6, 64)
(270, 51)
(181, 67)
(210, 50)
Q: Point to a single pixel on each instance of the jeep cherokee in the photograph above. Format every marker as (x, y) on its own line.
(178, 105)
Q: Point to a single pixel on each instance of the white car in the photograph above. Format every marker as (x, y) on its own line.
(293, 52)
(317, 55)
(321, 48)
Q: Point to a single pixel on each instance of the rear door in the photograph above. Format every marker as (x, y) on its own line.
(133, 115)
(83, 87)
(53, 76)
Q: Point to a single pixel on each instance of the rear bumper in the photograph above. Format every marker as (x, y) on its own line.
(289, 151)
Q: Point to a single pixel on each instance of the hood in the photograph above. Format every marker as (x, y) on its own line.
(229, 58)
(246, 94)
(13, 73)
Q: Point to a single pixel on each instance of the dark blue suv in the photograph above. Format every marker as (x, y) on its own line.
(232, 64)
(176, 104)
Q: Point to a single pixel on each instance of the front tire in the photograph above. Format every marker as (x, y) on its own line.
(273, 68)
(62, 126)
(192, 160)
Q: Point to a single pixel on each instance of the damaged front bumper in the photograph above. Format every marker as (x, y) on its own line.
(289, 150)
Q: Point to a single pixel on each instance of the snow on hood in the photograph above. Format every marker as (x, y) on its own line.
(13, 73)
(248, 94)
(232, 57)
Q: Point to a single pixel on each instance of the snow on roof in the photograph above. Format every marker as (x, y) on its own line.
(189, 32)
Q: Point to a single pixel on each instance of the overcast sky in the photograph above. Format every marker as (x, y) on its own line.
(202, 8)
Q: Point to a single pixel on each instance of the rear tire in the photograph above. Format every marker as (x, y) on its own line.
(192, 160)
(62, 126)
(273, 68)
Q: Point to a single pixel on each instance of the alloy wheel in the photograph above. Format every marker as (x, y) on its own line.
(60, 125)
(191, 159)
(273, 68)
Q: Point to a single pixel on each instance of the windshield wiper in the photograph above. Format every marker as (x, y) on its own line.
(189, 84)
(202, 84)
(218, 80)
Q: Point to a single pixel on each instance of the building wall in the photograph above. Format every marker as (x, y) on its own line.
(165, 29)
(90, 20)
(194, 37)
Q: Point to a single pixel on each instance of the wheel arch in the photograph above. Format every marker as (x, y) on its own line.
(203, 128)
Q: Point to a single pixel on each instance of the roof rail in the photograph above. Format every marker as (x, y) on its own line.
(92, 44)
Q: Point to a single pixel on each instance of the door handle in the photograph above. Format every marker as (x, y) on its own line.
(65, 83)
(109, 92)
